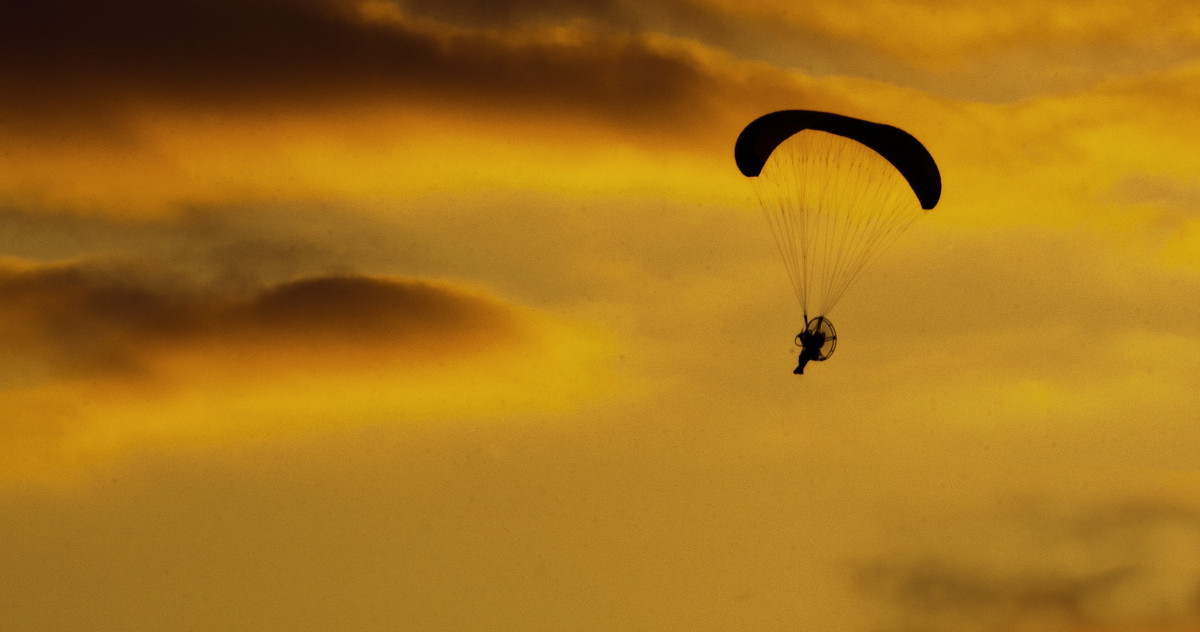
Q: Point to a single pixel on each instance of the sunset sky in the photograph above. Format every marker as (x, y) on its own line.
(367, 315)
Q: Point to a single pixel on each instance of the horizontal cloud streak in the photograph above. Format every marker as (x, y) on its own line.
(138, 107)
(1125, 572)
(80, 55)
(1001, 53)
(99, 359)
(73, 320)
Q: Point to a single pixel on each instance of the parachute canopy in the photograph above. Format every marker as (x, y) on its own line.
(760, 138)
(837, 191)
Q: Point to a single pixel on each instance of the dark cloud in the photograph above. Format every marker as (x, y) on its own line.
(68, 320)
(518, 12)
(934, 592)
(72, 320)
(71, 58)
(368, 310)
(1125, 575)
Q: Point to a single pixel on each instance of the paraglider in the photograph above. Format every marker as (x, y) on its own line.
(837, 191)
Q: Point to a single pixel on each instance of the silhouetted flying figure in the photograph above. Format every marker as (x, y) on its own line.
(810, 348)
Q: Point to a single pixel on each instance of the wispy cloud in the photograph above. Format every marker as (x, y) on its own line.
(1116, 566)
(99, 357)
(73, 319)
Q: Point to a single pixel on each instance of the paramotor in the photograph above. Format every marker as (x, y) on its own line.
(837, 191)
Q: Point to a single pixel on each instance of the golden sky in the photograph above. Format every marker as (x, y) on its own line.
(458, 315)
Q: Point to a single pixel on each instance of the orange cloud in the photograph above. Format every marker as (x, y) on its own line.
(138, 109)
(1118, 565)
(72, 320)
(932, 31)
(96, 360)
(66, 59)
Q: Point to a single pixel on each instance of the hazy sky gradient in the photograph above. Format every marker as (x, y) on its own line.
(457, 315)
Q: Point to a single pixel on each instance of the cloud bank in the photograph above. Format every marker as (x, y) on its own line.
(99, 358)
(78, 56)
(75, 320)
(1115, 566)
